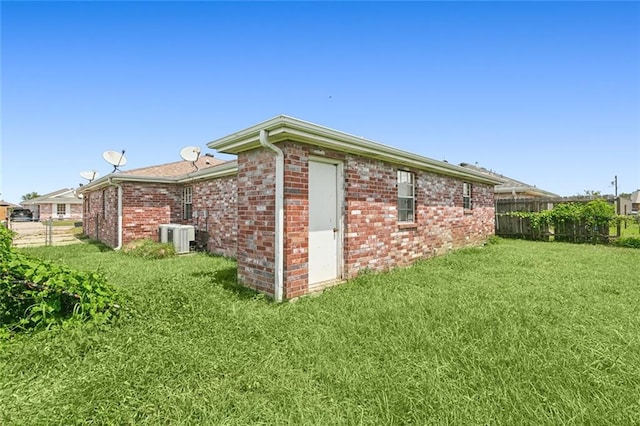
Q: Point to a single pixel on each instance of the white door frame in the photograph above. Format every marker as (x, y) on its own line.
(339, 212)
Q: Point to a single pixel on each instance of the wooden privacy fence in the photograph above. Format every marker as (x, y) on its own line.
(513, 226)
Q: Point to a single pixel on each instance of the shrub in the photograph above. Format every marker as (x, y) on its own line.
(632, 242)
(36, 294)
(493, 239)
(583, 221)
(6, 240)
(149, 249)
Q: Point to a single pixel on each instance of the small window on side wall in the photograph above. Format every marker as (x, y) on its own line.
(187, 197)
(406, 196)
(466, 196)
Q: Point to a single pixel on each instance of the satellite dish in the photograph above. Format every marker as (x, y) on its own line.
(89, 175)
(115, 158)
(190, 153)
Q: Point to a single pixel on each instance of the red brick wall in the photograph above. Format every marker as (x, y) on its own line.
(373, 238)
(296, 208)
(100, 215)
(145, 206)
(88, 221)
(215, 207)
(296, 222)
(256, 219)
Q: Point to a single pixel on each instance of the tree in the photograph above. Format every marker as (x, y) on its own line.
(591, 193)
(30, 196)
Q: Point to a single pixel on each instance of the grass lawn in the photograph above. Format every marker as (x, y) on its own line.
(513, 333)
(628, 229)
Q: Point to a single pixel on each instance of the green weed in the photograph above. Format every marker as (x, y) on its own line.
(149, 249)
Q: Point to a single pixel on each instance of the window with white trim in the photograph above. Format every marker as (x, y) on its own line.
(61, 209)
(187, 199)
(406, 196)
(466, 196)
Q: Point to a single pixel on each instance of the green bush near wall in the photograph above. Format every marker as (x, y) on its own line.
(149, 249)
(36, 294)
(630, 242)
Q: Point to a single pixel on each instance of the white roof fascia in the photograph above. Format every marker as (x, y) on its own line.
(58, 199)
(115, 178)
(66, 200)
(526, 189)
(284, 127)
(225, 169)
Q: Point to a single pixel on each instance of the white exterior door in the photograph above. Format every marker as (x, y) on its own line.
(324, 222)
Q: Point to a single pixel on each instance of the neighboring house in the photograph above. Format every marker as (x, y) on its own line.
(5, 209)
(625, 205)
(64, 204)
(629, 204)
(130, 205)
(635, 201)
(511, 188)
(303, 206)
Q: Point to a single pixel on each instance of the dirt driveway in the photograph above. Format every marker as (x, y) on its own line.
(34, 234)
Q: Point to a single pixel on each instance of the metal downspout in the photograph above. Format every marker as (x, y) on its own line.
(119, 186)
(119, 217)
(279, 225)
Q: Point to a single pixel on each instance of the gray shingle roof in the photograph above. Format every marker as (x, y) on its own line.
(509, 184)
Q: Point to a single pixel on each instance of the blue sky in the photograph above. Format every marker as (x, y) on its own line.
(543, 92)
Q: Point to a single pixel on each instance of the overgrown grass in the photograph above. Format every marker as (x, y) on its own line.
(514, 333)
(149, 249)
(628, 228)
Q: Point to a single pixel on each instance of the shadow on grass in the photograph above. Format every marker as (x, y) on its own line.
(228, 279)
(100, 246)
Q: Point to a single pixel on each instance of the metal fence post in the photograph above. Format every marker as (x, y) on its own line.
(50, 232)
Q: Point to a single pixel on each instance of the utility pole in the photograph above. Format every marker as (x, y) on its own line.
(615, 186)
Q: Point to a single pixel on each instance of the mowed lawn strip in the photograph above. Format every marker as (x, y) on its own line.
(512, 333)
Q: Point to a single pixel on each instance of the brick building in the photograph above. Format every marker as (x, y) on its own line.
(303, 206)
(128, 206)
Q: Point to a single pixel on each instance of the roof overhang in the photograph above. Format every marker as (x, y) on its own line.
(285, 128)
(528, 191)
(67, 196)
(229, 168)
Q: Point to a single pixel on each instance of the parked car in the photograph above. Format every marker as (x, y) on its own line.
(21, 215)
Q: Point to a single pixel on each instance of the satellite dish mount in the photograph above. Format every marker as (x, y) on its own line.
(89, 175)
(115, 158)
(190, 153)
